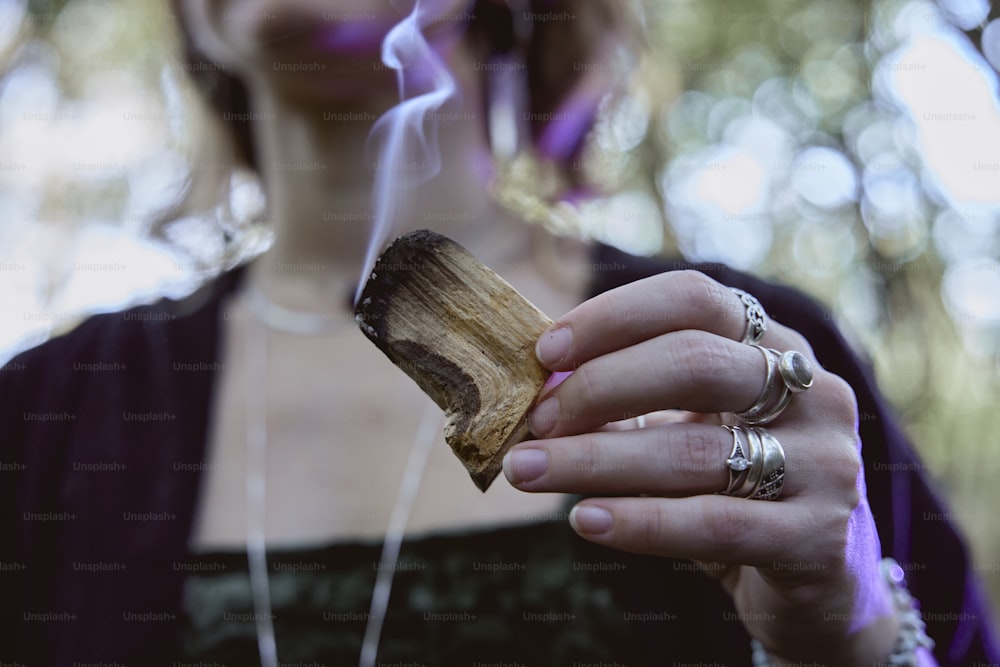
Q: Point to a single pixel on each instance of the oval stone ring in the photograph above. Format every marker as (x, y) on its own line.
(796, 375)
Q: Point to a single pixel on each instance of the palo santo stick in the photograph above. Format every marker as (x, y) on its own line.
(465, 336)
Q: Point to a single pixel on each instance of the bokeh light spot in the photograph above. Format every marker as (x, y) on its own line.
(824, 177)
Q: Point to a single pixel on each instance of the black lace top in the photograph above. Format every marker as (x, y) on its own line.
(525, 595)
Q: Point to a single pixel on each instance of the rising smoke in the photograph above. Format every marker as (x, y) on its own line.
(405, 145)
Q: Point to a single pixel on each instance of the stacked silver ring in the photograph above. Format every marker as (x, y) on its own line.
(796, 375)
(756, 464)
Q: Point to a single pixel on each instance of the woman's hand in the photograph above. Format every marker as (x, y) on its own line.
(803, 569)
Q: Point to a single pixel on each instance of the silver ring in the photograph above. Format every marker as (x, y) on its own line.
(756, 317)
(796, 371)
(767, 399)
(756, 466)
(796, 375)
(772, 477)
(738, 462)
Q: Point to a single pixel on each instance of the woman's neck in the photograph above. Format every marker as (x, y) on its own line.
(319, 172)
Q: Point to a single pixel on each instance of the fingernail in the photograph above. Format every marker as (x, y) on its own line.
(555, 379)
(525, 465)
(553, 346)
(590, 520)
(544, 417)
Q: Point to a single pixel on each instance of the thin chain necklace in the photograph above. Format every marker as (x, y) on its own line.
(288, 320)
(256, 493)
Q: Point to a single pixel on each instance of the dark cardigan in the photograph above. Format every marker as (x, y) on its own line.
(101, 431)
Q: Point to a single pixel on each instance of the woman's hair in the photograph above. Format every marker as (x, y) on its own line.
(565, 38)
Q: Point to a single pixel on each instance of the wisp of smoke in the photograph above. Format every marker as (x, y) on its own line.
(407, 150)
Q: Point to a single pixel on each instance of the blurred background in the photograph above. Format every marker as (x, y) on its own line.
(852, 150)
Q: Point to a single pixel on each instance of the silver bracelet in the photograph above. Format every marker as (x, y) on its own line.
(912, 631)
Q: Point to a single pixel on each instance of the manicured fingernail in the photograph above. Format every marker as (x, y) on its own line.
(553, 346)
(525, 465)
(590, 520)
(544, 417)
(555, 379)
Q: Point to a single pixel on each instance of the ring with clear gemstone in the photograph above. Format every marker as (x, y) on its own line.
(739, 464)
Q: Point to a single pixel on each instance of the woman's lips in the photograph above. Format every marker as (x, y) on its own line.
(336, 33)
(344, 49)
(353, 38)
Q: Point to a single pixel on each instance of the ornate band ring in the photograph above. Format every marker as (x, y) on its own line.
(756, 317)
(756, 464)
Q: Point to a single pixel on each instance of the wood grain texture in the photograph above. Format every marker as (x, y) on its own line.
(465, 336)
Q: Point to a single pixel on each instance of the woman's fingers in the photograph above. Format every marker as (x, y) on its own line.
(678, 468)
(665, 342)
(648, 308)
(673, 459)
(687, 370)
(677, 459)
(639, 311)
(709, 528)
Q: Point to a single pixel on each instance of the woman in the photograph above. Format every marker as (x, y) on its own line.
(140, 492)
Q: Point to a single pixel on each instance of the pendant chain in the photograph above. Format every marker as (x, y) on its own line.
(256, 504)
(256, 490)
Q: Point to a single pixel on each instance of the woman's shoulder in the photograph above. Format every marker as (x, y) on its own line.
(125, 392)
(108, 342)
(95, 376)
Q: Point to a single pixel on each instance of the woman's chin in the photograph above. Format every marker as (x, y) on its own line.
(310, 60)
(325, 85)
(347, 32)
(326, 35)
